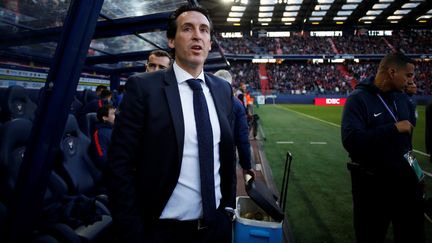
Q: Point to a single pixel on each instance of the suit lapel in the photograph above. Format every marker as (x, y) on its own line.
(174, 103)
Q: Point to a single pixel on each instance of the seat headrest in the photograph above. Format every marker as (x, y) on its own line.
(89, 95)
(71, 126)
(16, 91)
(18, 103)
(72, 132)
(92, 116)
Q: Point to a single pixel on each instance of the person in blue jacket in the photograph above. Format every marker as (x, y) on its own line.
(102, 135)
(241, 129)
(376, 132)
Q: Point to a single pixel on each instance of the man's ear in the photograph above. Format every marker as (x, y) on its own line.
(391, 72)
(211, 43)
(171, 43)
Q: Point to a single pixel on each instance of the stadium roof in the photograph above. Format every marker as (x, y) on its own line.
(235, 15)
(125, 34)
(128, 30)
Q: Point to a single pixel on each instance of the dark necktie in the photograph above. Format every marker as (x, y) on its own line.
(205, 149)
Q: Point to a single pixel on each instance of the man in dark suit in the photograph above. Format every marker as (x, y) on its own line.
(165, 142)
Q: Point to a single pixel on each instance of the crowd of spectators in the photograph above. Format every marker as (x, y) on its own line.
(327, 78)
(355, 44)
(306, 78)
(314, 78)
(418, 41)
(245, 72)
(411, 42)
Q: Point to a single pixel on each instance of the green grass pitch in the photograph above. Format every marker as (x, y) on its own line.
(319, 206)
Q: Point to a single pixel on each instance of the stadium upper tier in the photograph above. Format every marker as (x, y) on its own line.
(311, 78)
(410, 42)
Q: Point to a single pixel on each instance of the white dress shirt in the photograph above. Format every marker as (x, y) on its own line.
(185, 201)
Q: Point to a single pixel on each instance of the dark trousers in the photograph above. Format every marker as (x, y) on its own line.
(382, 199)
(172, 231)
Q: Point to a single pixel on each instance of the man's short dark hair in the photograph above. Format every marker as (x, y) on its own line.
(161, 53)
(396, 58)
(103, 111)
(172, 22)
(101, 87)
(105, 94)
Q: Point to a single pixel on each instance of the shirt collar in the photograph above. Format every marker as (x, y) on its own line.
(181, 75)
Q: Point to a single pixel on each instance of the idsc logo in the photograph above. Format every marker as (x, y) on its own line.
(332, 101)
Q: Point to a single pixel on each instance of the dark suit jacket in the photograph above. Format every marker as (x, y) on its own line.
(147, 147)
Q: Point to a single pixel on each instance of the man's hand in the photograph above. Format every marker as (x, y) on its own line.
(404, 126)
(249, 172)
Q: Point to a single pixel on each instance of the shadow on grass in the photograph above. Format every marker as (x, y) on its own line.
(312, 210)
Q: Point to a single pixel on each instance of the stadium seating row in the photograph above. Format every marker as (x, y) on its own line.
(411, 42)
(75, 204)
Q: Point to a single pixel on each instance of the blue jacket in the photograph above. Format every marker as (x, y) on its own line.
(369, 133)
(241, 134)
(413, 105)
(100, 142)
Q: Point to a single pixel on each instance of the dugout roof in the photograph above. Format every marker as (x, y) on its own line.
(300, 15)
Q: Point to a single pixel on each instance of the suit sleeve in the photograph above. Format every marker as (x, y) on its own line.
(357, 138)
(121, 169)
(241, 135)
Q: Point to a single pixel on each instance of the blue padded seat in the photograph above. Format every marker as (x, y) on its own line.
(14, 137)
(17, 104)
(76, 167)
(88, 126)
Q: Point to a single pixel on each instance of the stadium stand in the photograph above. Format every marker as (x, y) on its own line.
(313, 78)
(411, 42)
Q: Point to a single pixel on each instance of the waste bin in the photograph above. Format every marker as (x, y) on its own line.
(254, 225)
(258, 217)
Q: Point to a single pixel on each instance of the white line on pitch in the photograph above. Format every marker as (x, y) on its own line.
(427, 173)
(334, 124)
(420, 152)
(285, 142)
(311, 117)
(318, 142)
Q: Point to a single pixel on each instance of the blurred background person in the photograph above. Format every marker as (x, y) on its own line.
(241, 131)
(102, 135)
(158, 60)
